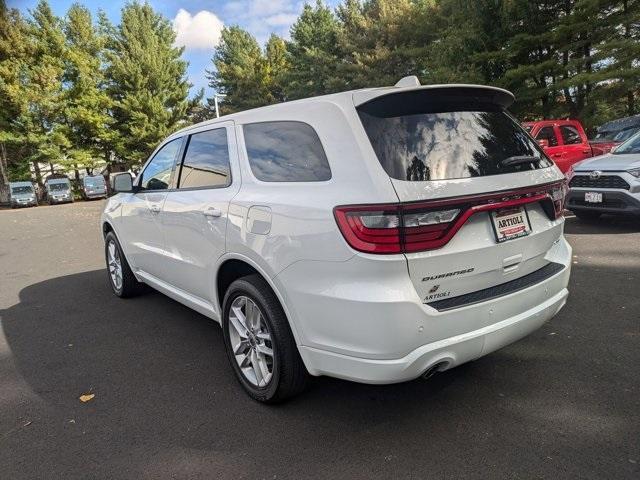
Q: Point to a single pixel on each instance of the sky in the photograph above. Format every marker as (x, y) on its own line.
(198, 23)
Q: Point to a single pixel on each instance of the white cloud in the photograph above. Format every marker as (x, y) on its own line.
(199, 31)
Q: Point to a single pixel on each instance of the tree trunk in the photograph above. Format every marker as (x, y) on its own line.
(631, 103)
(4, 175)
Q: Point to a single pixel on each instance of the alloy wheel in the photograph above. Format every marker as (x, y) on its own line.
(114, 264)
(251, 341)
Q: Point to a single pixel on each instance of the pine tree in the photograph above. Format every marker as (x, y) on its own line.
(87, 104)
(313, 54)
(146, 82)
(247, 76)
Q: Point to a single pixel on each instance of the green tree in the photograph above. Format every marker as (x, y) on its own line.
(244, 74)
(313, 54)
(86, 103)
(31, 87)
(146, 80)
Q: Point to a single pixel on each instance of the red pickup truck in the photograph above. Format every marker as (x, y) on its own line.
(564, 141)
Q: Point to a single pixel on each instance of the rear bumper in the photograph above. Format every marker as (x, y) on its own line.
(95, 195)
(616, 202)
(362, 320)
(444, 354)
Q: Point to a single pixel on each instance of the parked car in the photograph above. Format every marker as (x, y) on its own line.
(58, 190)
(615, 132)
(22, 194)
(564, 141)
(94, 187)
(607, 184)
(375, 235)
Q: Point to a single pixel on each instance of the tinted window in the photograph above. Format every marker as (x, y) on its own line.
(157, 175)
(285, 152)
(548, 134)
(206, 162)
(439, 141)
(630, 146)
(570, 135)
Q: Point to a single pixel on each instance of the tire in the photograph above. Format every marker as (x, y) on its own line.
(127, 286)
(587, 216)
(288, 375)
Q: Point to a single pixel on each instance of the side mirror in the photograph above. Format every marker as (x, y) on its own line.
(543, 142)
(123, 183)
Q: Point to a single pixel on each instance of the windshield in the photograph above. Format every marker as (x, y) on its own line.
(94, 182)
(605, 136)
(58, 187)
(448, 140)
(20, 190)
(625, 134)
(630, 146)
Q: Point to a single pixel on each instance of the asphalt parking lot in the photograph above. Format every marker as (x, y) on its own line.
(562, 403)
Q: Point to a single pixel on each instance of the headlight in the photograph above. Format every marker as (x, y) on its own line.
(635, 172)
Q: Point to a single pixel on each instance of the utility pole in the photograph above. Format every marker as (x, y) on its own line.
(215, 102)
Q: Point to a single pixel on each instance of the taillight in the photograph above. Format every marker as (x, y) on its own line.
(420, 226)
(373, 229)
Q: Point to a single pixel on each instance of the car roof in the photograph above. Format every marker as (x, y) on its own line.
(350, 98)
(620, 124)
(20, 184)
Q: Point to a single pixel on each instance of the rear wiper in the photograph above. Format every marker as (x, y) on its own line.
(518, 159)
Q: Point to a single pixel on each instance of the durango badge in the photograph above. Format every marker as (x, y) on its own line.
(448, 274)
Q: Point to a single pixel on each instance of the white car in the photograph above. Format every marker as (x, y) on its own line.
(607, 184)
(374, 235)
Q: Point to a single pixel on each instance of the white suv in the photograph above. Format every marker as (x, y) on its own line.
(374, 235)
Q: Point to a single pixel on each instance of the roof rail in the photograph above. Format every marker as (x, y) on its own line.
(410, 81)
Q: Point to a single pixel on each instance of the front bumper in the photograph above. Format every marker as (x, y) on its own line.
(362, 320)
(616, 202)
(30, 203)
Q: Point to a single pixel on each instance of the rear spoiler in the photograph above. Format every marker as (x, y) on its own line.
(480, 93)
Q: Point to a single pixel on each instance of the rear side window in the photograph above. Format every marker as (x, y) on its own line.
(285, 152)
(420, 137)
(206, 161)
(548, 134)
(570, 135)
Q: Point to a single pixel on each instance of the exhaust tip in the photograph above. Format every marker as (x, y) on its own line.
(433, 369)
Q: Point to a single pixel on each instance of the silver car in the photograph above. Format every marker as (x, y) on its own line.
(22, 194)
(607, 184)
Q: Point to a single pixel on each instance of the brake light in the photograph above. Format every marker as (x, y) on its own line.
(420, 226)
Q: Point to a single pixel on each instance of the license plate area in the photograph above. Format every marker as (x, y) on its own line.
(510, 223)
(593, 197)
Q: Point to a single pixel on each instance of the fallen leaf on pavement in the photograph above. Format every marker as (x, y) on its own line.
(87, 397)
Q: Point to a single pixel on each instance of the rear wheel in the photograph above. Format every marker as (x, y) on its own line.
(586, 215)
(122, 280)
(259, 342)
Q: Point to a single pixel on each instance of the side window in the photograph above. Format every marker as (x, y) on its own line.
(547, 133)
(158, 172)
(206, 162)
(570, 135)
(285, 152)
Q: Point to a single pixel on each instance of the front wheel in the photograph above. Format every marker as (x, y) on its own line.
(122, 280)
(259, 342)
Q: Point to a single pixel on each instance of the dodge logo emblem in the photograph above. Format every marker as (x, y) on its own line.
(595, 174)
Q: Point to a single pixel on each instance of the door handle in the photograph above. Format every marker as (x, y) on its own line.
(154, 208)
(557, 155)
(212, 212)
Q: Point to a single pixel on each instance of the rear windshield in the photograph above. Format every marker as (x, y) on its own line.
(425, 138)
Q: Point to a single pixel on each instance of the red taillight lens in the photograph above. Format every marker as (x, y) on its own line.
(371, 229)
(416, 227)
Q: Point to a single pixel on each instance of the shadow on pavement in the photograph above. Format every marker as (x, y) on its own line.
(167, 403)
